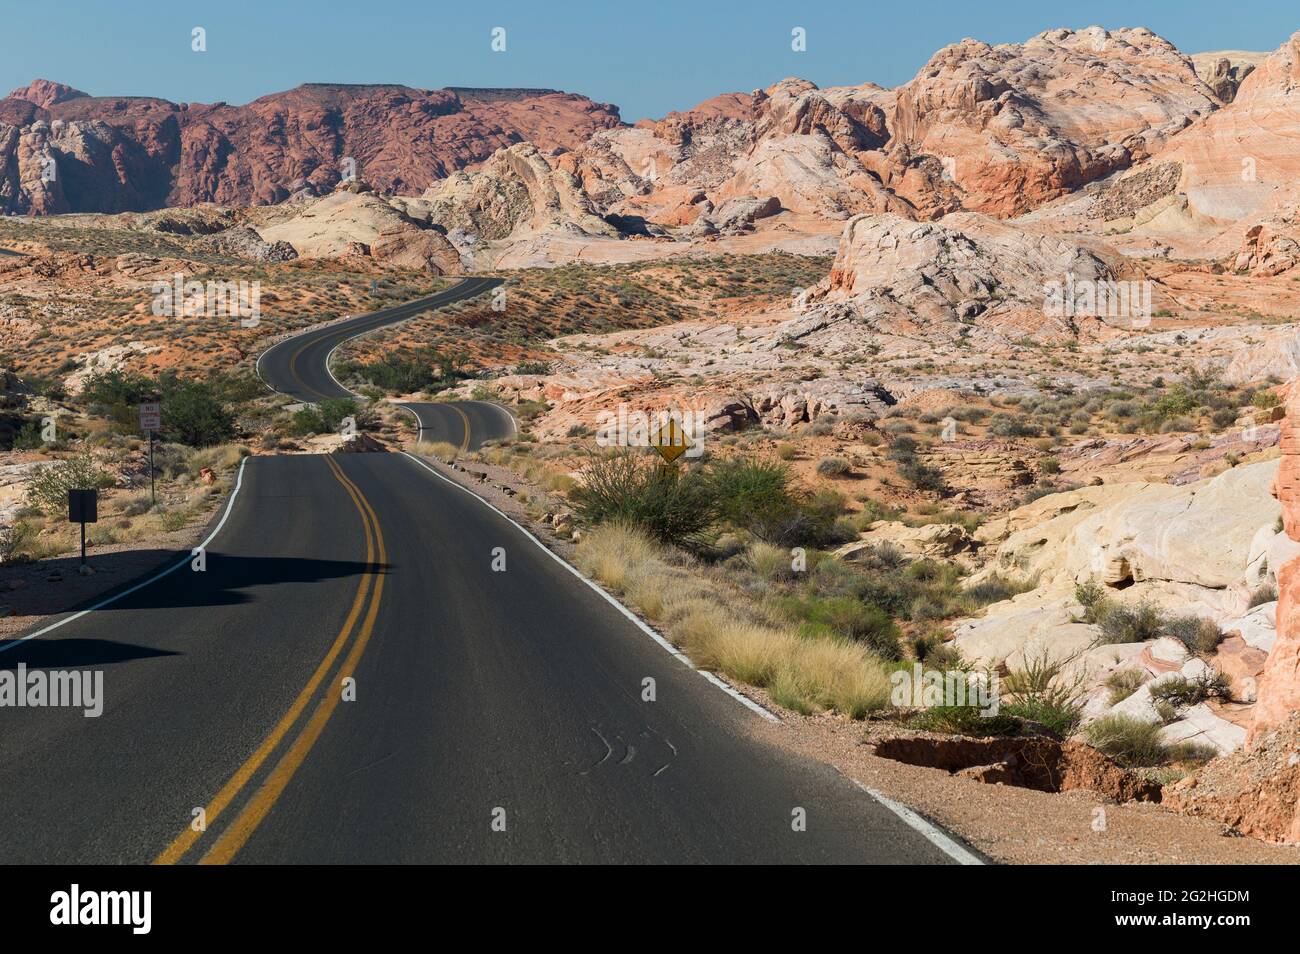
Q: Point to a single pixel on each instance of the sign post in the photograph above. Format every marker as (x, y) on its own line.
(150, 421)
(83, 508)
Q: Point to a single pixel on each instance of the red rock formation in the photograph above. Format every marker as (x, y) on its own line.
(1020, 124)
(117, 154)
(1279, 685)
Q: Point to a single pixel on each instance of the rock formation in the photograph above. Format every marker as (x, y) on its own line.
(1224, 71)
(1279, 686)
(113, 154)
(1241, 163)
(358, 222)
(1024, 123)
(965, 276)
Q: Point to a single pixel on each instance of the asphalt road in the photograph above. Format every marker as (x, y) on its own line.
(299, 367)
(467, 424)
(495, 715)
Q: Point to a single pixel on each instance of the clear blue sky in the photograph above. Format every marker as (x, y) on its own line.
(645, 56)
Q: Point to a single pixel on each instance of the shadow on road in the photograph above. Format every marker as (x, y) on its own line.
(72, 653)
(228, 580)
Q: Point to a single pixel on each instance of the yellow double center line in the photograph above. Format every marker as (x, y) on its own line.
(464, 445)
(260, 805)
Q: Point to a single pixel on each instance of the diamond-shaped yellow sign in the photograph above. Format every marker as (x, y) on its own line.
(670, 440)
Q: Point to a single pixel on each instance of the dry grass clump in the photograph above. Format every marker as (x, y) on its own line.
(442, 450)
(803, 673)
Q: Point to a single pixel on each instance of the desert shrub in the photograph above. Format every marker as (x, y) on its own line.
(48, 490)
(1224, 417)
(118, 387)
(1129, 741)
(1266, 593)
(1131, 624)
(922, 476)
(965, 720)
(1012, 425)
(751, 493)
(327, 417)
(14, 539)
(1199, 635)
(1040, 692)
(833, 467)
(1123, 683)
(1175, 402)
(1091, 595)
(442, 450)
(192, 414)
(29, 437)
(1180, 691)
(407, 370)
(844, 616)
(628, 489)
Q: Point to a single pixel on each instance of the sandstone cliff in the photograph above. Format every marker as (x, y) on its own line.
(113, 154)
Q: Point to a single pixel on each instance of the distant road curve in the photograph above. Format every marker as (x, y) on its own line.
(299, 367)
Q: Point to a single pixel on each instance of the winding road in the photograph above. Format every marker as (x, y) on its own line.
(375, 665)
(299, 367)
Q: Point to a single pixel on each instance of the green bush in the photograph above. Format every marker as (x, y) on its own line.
(1041, 692)
(29, 437)
(1130, 742)
(192, 414)
(1199, 635)
(424, 369)
(661, 502)
(48, 490)
(1139, 623)
(844, 616)
(752, 495)
(327, 417)
(965, 720)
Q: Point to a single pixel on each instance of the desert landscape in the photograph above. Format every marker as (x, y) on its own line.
(987, 378)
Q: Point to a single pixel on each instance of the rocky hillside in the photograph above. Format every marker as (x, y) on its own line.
(64, 151)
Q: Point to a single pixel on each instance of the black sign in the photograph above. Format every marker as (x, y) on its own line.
(83, 506)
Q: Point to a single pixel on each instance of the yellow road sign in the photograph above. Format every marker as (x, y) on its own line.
(670, 440)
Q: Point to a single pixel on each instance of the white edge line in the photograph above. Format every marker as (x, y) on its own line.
(932, 832)
(636, 620)
(239, 482)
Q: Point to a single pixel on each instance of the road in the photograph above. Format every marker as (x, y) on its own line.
(299, 367)
(482, 696)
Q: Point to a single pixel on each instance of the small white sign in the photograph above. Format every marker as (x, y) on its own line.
(150, 417)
